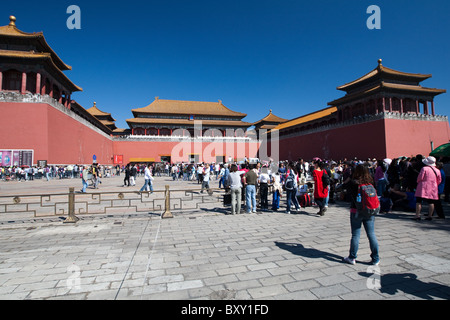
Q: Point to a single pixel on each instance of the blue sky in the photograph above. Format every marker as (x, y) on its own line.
(284, 55)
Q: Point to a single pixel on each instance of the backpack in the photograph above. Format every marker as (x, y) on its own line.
(290, 183)
(367, 203)
(305, 200)
(325, 179)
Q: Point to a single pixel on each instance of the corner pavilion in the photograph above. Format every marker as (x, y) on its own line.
(385, 113)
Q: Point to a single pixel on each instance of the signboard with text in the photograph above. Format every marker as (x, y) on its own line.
(16, 158)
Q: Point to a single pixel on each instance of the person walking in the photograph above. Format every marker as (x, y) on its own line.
(206, 176)
(234, 179)
(148, 180)
(250, 179)
(320, 188)
(361, 176)
(95, 175)
(427, 187)
(84, 178)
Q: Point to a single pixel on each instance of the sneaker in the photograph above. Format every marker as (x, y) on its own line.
(375, 263)
(349, 260)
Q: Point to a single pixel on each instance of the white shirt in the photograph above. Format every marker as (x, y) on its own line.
(147, 174)
(264, 178)
(235, 179)
(206, 174)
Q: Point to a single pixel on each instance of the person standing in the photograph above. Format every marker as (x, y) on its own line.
(291, 184)
(277, 191)
(361, 176)
(320, 189)
(234, 179)
(127, 176)
(133, 174)
(250, 190)
(427, 187)
(438, 206)
(380, 177)
(264, 181)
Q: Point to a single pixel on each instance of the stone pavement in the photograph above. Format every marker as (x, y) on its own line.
(210, 255)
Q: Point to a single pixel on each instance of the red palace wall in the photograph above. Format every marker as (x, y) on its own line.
(53, 135)
(361, 140)
(411, 137)
(383, 138)
(59, 138)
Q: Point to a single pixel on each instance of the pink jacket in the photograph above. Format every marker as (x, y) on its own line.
(427, 183)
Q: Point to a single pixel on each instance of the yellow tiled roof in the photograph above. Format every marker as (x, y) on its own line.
(271, 118)
(386, 85)
(11, 31)
(309, 117)
(95, 111)
(39, 55)
(161, 106)
(217, 123)
(380, 70)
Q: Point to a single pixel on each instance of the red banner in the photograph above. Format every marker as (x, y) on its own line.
(118, 159)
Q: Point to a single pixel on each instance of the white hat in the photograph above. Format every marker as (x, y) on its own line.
(430, 161)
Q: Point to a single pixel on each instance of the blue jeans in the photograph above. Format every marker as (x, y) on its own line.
(381, 187)
(250, 196)
(147, 182)
(276, 200)
(85, 185)
(290, 195)
(369, 225)
(327, 198)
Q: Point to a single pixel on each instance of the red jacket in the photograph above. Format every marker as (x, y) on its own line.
(319, 190)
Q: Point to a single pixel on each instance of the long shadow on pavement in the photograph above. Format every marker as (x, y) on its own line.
(300, 250)
(408, 283)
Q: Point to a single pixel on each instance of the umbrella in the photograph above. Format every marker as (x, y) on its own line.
(441, 151)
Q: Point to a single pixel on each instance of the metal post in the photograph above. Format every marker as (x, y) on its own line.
(167, 213)
(71, 218)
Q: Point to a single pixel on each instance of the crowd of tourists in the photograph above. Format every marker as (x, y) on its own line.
(401, 184)
(50, 172)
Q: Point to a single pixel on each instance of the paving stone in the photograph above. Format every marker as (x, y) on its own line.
(203, 254)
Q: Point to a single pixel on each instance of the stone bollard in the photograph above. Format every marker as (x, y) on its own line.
(71, 218)
(167, 213)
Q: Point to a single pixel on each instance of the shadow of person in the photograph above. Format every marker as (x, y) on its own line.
(393, 283)
(298, 249)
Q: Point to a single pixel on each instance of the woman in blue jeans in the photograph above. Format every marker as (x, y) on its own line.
(361, 176)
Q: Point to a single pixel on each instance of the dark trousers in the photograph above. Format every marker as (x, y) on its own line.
(438, 208)
(264, 191)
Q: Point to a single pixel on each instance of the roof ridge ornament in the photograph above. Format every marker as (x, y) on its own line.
(379, 63)
(12, 21)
